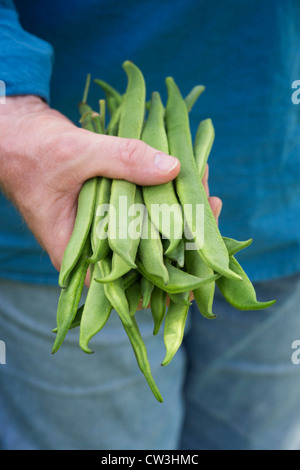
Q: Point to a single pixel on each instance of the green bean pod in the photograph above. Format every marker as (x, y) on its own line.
(161, 197)
(113, 97)
(134, 295)
(120, 266)
(130, 126)
(240, 295)
(115, 292)
(141, 355)
(70, 297)
(146, 289)
(203, 143)
(158, 307)
(204, 295)
(76, 321)
(234, 246)
(150, 250)
(177, 253)
(175, 321)
(193, 96)
(81, 230)
(128, 280)
(180, 298)
(99, 226)
(179, 280)
(95, 313)
(190, 188)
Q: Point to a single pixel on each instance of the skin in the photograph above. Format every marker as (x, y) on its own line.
(45, 159)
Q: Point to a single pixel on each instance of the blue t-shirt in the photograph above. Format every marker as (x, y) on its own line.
(246, 53)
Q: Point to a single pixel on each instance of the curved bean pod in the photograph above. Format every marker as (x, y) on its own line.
(179, 280)
(70, 297)
(240, 295)
(81, 230)
(146, 289)
(193, 96)
(203, 143)
(99, 226)
(234, 246)
(189, 185)
(130, 126)
(154, 134)
(134, 295)
(175, 321)
(141, 355)
(95, 313)
(203, 295)
(115, 293)
(150, 251)
(158, 307)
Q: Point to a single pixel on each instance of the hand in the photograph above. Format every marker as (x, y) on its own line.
(45, 159)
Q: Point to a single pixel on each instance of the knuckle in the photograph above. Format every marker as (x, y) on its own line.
(132, 152)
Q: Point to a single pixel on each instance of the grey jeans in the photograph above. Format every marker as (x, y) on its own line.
(232, 385)
(242, 380)
(73, 400)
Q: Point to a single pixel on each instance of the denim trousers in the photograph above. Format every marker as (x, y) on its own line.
(233, 384)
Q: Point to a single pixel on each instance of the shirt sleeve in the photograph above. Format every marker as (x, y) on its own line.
(25, 60)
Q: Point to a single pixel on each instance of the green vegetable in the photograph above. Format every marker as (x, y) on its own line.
(189, 186)
(153, 263)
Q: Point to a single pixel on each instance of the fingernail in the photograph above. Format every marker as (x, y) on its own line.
(165, 162)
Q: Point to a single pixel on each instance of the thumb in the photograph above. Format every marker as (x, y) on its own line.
(121, 158)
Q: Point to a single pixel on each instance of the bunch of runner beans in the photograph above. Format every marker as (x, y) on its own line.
(161, 265)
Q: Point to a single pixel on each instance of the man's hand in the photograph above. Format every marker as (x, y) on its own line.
(45, 159)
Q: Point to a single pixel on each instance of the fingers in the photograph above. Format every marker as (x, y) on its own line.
(216, 206)
(205, 180)
(129, 159)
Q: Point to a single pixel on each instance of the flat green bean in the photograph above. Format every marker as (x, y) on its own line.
(141, 355)
(174, 327)
(70, 297)
(130, 126)
(193, 96)
(134, 295)
(204, 295)
(128, 280)
(120, 266)
(179, 280)
(189, 185)
(81, 230)
(234, 246)
(115, 292)
(203, 143)
(240, 295)
(146, 289)
(158, 307)
(150, 250)
(95, 313)
(177, 253)
(161, 200)
(99, 226)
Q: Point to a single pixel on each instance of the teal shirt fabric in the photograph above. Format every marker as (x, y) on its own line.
(247, 56)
